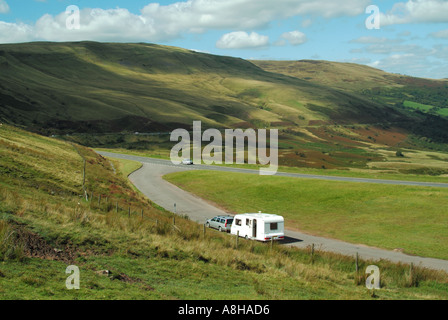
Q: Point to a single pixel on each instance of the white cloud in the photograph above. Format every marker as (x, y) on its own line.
(392, 48)
(96, 24)
(416, 61)
(416, 11)
(158, 22)
(295, 38)
(15, 32)
(443, 34)
(4, 8)
(375, 40)
(306, 23)
(242, 40)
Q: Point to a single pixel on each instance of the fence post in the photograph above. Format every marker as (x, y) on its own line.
(116, 206)
(84, 177)
(142, 213)
(129, 212)
(237, 238)
(312, 253)
(357, 263)
(204, 229)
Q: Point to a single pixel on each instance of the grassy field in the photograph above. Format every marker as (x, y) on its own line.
(46, 224)
(390, 217)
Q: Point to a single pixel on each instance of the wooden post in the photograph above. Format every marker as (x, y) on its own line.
(272, 242)
(204, 230)
(237, 238)
(116, 206)
(157, 222)
(142, 213)
(357, 263)
(411, 275)
(174, 220)
(312, 253)
(84, 177)
(129, 212)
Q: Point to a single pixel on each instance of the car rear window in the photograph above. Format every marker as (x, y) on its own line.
(229, 221)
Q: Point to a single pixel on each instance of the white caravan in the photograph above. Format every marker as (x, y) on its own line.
(259, 226)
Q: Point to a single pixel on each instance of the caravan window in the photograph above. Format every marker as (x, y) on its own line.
(248, 222)
(273, 226)
(238, 222)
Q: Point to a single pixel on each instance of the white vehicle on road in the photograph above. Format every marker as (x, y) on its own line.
(259, 226)
(187, 161)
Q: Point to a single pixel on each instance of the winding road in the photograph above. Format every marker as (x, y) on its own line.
(149, 180)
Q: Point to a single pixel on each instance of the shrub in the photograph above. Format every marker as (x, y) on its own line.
(10, 246)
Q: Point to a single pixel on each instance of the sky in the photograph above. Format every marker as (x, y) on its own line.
(404, 37)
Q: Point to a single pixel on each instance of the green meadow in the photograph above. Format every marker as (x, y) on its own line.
(392, 217)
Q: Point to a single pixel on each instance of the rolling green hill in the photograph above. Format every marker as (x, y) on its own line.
(107, 87)
(330, 115)
(394, 90)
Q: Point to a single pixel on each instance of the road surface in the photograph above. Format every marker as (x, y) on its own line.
(149, 181)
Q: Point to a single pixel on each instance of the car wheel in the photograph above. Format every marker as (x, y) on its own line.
(207, 225)
(220, 229)
(246, 237)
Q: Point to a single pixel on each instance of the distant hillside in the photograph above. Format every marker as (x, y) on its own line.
(352, 77)
(91, 86)
(113, 87)
(374, 84)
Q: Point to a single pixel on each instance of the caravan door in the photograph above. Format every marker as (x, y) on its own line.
(254, 228)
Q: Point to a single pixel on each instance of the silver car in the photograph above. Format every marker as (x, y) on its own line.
(221, 223)
(187, 161)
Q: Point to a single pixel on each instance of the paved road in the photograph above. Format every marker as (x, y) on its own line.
(150, 182)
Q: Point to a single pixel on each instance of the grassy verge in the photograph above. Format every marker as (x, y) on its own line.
(126, 167)
(410, 218)
(49, 225)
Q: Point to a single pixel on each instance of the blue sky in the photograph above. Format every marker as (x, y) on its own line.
(412, 38)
